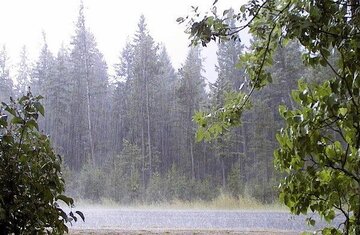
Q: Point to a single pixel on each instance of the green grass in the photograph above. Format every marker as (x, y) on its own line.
(222, 202)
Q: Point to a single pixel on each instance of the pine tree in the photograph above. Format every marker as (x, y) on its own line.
(191, 97)
(42, 76)
(164, 111)
(6, 83)
(229, 148)
(23, 74)
(144, 74)
(89, 86)
(264, 120)
(121, 120)
(59, 99)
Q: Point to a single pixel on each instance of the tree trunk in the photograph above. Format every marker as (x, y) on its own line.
(223, 172)
(92, 159)
(242, 159)
(204, 170)
(143, 149)
(148, 125)
(192, 161)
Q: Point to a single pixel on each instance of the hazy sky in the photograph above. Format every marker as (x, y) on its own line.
(113, 22)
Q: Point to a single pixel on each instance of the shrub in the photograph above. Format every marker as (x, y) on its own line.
(92, 182)
(235, 184)
(31, 182)
(155, 190)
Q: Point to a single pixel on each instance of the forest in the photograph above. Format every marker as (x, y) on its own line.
(132, 138)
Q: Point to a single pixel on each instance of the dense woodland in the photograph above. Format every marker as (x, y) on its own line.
(133, 140)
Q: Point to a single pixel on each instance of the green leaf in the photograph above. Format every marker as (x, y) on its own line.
(330, 216)
(243, 8)
(3, 121)
(200, 134)
(17, 120)
(180, 20)
(32, 124)
(73, 216)
(9, 109)
(343, 111)
(68, 200)
(310, 221)
(40, 108)
(282, 110)
(81, 215)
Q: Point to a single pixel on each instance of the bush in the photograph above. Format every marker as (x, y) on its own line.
(30, 173)
(204, 190)
(264, 192)
(235, 185)
(155, 190)
(92, 182)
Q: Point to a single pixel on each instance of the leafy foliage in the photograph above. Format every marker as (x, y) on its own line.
(319, 153)
(92, 182)
(320, 144)
(30, 173)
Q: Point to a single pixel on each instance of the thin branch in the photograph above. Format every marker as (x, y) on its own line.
(240, 28)
(346, 172)
(331, 67)
(344, 80)
(247, 97)
(343, 162)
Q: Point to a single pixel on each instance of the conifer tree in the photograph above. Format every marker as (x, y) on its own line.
(6, 83)
(229, 147)
(89, 84)
(42, 77)
(145, 72)
(23, 73)
(191, 97)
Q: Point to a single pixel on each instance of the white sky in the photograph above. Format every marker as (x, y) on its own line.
(112, 22)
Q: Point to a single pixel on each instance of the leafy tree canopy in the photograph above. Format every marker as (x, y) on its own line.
(320, 144)
(31, 182)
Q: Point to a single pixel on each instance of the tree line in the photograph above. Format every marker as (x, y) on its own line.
(133, 140)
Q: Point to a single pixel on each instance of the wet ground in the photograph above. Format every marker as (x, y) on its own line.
(176, 232)
(138, 221)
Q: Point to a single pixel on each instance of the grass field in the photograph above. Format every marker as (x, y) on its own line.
(222, 202)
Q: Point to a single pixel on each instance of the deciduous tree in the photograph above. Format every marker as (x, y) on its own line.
(319, 146)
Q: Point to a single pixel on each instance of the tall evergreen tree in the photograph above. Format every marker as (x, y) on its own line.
(23, 73)
(164, 111)
(121, 100)
(42, 76)
(191, 97)
(6, 83)
(144, 73)
(89, 84)
(59, 100)
(230, 147)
